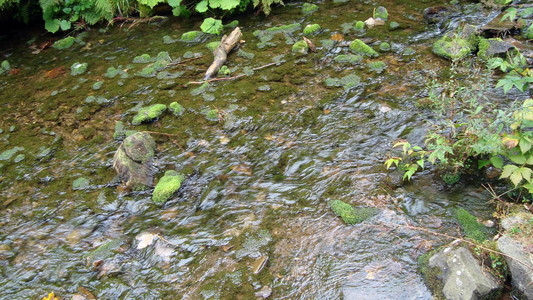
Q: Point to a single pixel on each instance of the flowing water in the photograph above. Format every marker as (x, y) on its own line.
(252, 214)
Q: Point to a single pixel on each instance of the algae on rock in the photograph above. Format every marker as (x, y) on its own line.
(300, 47)
(149, 113)
(176, 108)
(359, 47)
(351, 215)
(167, 186)
(311, 29)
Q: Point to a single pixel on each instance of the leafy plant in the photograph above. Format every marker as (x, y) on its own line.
(63, 14)
(211, 26)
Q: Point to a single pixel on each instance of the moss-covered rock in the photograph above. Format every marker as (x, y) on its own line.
(142, 59)
(493, 47)
(349, 81)
(133, 160)
(176, 108)
(309, 8)
(64, 43)
(359, 26)
(140, 147)
(452, 47)
(359, 47)
(167, 186)
(149, 113)
(408, 51)
(301, 47)
(311, 29)
(348, 58)
(284, 28)
(6, 155)
(212, 46)
(351, 215)
(384, 47)
(377, 66)
(80, 183)
(212, 115)
(78, 68)
(470, 226)
(381, 13)
(191, 36)
(394, 25)
(120, 131)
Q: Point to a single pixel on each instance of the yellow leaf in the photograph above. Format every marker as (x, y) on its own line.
(51, 296)
(510, 143)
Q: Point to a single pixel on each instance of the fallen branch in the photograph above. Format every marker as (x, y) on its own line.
(173, 64)
(221, 52)
(229, 78)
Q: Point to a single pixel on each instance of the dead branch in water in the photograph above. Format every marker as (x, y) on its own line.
(221, 52)
(229, 78)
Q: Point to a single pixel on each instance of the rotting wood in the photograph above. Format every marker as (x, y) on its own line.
(221, 52)
(310, 44)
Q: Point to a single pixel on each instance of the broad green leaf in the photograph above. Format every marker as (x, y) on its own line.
(150, 3)
(524, 145)
(496, 161)
(508, 170)
(212, 26)
(526, 173)
(201, 7)
(516, 177)
(481, 163)
(224, 4)
(529, 187)
(174, 3)
(65, 25)
(530, 160)
(52, 25)
(420, 162)
(518, 159)
(510, 14)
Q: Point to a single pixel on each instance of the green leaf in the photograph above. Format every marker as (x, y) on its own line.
(510, 14)
(529, 187)
(201, 7)
(65, 25)
(526, 173)
(52, 25)
(530, 160)
(516, 177)
(524, 145)
(420, 162)
(481, 163)
(518, 159)
(212, 26)
(150, 3)
(224, 4)
(508, 170)
(174, 3)
(496, 161)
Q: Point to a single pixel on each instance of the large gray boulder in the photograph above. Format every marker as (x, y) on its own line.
(462, 275)
(133, 161)
(520, 264)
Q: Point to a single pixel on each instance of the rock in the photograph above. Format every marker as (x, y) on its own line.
(311, 29)
(462, 275)
(142, 59)
(176, 108)
(301, 47)
(359, 47)
(371, 22)
(384, 47)
(167, 186)
(489, 223)
(264, 292)
(359, 26)
(149, 113)
(64, 43)
(120, 130)
(78, 68)
(393, 25)
(348, 58)
(435, 14)
(452, 47)
(212, 46)
(497, 27)
(351, 215)
(513, 221)
(191, 36)
(133, 160)
(493, 47)
(381, 13)
(521, 274)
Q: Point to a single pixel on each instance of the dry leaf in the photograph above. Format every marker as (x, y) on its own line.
(145, 240)
(337, 37)
(242, 168)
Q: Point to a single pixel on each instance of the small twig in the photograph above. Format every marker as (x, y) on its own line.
(229, 78)
(173, 64)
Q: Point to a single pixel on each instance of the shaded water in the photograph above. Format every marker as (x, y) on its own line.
(258, 180)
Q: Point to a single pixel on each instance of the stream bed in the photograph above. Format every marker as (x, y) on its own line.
(262, 155)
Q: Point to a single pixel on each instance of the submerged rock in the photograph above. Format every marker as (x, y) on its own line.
(149, 113)
(191, 36)
(133, 161)
(493, 47)
(359, 47)
(80, 183)
(301, 47)
(435, 14)
(167, 186)
(381, 13)
(176, 108)
(311, 29)
(309, 8)
(462, 276)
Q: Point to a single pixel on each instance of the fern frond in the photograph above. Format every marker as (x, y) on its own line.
(46, 4)
(105, 8)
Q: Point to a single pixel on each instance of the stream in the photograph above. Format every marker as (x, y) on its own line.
(252, 217)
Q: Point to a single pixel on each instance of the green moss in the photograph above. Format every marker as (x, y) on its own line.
(78, 68)
(64, 43)
(348, 58)
(284, 28)
(359, 26)
(393, 25)
(6, 155)
(120, 131)
(309, 8)
(142, 59)
(451, 178)
(359, 47)
(232, 24)
(381, 13)
(384, 47)
(176, 108)
(377, 66)
(149, 113)
(212, 115)
(300, 46)
(147, 71)
(224, 70)
(348, 81)
(80, 183)
(167, 186)
(244, 54)
(212, 46)
(97, 85)
(311, 29)
(103, 251)
(452, 47)
(6, 66)
(168, 39)
(351, 215)
(408, 51)
(485, 46)
(191, 36)
(470, 226)
(528, 33)
(19, 158)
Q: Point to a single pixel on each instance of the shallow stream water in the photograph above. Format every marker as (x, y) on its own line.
(258, 179)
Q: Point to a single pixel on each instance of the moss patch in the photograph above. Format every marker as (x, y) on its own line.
(359, 47)
(300, 47)
(351, 215)
(311, 29)
(470, 226)
(149, 113)
(167, 186)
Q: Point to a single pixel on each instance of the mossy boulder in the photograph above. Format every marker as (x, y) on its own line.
(176, 108)
(191, 36)
(351, 215)
(149, 113)
(381, 13)
(120, 130)
(311, 29)
(285, 28)
(452, 47)
(347, 82)
(394, 25)
(167, 186)
(493, 47)
(359, 47)
(300, 47)
(309, 8)
(133, 161)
